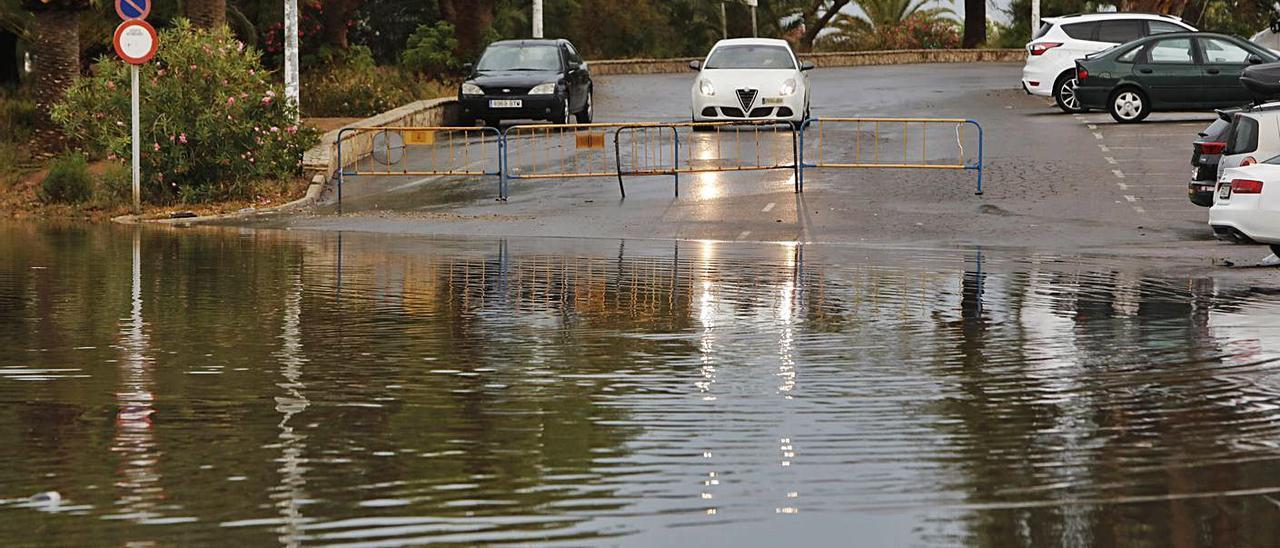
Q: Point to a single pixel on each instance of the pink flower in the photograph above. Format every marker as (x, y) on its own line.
(291, 129)
(182, 138)
(266, 101)
(231, 101)
(111, 85)
(192, 67)
(157, 146)
(274, 129)
(271, 93)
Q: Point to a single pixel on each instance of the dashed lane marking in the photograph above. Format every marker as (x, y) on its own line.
(1122, 185)
(1130, 198)
(743, 235)
(1093, 126)
(1110, 160)
(1097, 136)
(1140, 210)
(1104, 148)
(768, 208)
(1119, 174)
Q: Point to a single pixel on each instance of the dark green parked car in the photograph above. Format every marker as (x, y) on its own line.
(1175, 71)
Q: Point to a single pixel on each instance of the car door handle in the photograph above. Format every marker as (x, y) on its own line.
(1212, 71)
(1145, 71)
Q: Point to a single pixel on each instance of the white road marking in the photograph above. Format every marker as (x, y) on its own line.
(1140, 210)
(1133, 148)
(1119, 174)
(1122, 185)
(1130, 198)
(1097, 136)
(743, 235)
(1104, 148)
(768, 208)
(1093, 126)
(1110, 160)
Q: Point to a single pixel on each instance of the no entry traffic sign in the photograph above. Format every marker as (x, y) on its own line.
(133, 9)
(135, 41)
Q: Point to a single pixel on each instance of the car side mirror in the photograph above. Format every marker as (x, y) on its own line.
(1254, 59)
(695, 65)
(467, 67)
(806, 65)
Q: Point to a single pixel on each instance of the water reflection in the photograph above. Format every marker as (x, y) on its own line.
(314, 388)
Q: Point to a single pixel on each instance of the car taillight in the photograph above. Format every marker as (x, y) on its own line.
(1248, 161)
(1040, 48)
(1246, 186)
(1211, 147)
(1081, 74)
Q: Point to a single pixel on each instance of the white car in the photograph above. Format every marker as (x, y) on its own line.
(1247, 205)
(1051, 54)
(1254, 136)
(751, 79)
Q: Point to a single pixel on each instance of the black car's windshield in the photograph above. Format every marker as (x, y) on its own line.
(516, 57)
(751, 57)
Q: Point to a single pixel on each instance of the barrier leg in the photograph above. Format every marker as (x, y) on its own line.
(617, 160)
(502, 167)
(981, 141)
(675, 160)
(797, 153)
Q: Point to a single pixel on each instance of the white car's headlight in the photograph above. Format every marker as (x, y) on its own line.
(543, 89)
(706, 88)
(471, 89)
(788, 87)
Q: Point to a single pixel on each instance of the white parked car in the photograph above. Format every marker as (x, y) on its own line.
(1254, 136)
(751, 79)
(1050, 70)
(1247, 205)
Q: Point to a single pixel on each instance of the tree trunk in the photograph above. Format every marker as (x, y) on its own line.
(814, 22)
(470, 20)
(9, 73)
(975, 23)
(55, 50)
(337, 13)
(207, 14)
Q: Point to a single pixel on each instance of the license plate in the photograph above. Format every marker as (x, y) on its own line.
(1224, 192)
(505, 103)
(771, 101)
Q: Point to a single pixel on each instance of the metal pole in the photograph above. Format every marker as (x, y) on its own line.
(755, 33)
(137, 148)
(291, 91)
(1035, 16)
(537, 18)
(724, 24)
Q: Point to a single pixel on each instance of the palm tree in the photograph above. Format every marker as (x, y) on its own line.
(880, 15)
(55, 49)
(206, 14)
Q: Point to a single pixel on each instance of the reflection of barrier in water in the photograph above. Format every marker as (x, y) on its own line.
(426, 151)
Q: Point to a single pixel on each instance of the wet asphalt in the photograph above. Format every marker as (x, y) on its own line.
(1053, 182)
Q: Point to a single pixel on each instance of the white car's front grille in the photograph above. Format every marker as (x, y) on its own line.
(746, 97)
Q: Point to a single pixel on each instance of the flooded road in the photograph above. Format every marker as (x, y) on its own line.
(289, 387)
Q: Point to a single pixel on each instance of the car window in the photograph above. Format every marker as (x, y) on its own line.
(1162, 27)
(573, 53)
(1129, 56)
(1119, 32)
(1244, 136)
(1219, 51)
(750, 56)
(1171, 50)
(517, 57)
(1080, 31)
(1216, 131)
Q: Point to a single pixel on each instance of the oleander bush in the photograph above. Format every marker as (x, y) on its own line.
(213, 121)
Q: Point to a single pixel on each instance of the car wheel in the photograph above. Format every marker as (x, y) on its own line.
(1128, 105)
(1064, 94)
(565, 115)
(588, 111)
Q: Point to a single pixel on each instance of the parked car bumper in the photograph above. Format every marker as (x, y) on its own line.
(1093, 97)
(1246, 214)
(1039, 80)
(708, 109)
(1201, 193)
(532, 107)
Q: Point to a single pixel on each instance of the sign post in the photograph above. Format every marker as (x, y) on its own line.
(135, 43)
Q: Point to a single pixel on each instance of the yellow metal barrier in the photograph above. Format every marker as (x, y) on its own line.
(424, 151)
(892, 143)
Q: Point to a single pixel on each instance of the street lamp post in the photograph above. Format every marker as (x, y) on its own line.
(291, 92)
(537, 18)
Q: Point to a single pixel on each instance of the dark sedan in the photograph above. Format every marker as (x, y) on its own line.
(1174, 71)
(528, 80)
(1205, 153)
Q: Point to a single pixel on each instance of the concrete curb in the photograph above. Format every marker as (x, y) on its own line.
(322, 159)
(314, 190)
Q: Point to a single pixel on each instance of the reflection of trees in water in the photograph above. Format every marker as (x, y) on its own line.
(1136, 421)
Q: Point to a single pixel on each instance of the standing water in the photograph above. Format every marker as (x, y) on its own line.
(261, 387)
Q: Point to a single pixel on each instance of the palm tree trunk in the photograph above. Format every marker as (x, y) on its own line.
(9, 73)
(975, 23)
(207, 14)
(55, 50)
(337, 13)
(470, 20)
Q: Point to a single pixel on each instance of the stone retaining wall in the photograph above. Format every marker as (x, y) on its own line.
(322, 159)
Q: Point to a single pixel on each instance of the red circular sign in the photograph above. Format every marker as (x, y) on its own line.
(135, 41)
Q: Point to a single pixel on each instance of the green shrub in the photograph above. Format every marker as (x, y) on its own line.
(211, 117)
(354, 87)
(430, 50)
(68, 181)
(17, 116)
(115, 185)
